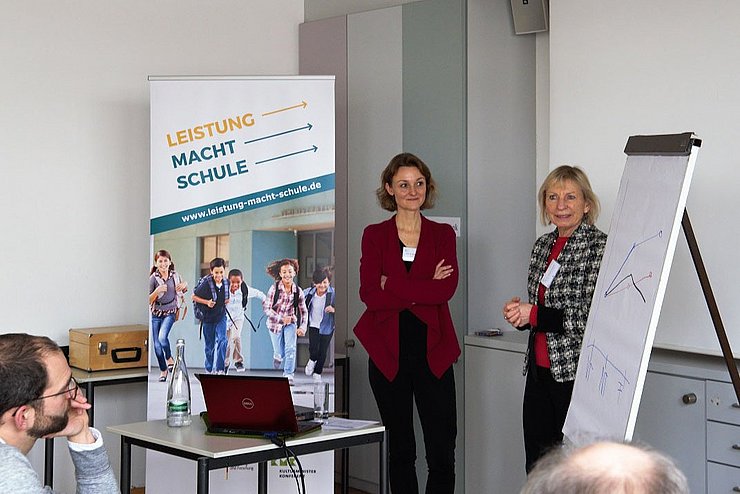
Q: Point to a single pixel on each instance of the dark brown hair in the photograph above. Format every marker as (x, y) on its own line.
(386, 200)
(157, 255)
(23, 375)
(273, 269)
(322, 273)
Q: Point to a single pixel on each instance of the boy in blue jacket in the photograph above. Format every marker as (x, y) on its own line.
(212, 295)
(320, 304)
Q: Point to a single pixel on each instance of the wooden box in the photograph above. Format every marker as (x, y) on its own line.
(112, 347)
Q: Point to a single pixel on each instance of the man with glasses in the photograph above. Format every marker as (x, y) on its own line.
(39, 398)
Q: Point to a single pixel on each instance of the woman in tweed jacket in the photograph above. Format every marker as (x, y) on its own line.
(561, 282)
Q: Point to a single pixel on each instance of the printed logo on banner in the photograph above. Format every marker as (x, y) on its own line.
(215, 157)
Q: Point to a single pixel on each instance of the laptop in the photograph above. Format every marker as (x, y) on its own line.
(252, 406)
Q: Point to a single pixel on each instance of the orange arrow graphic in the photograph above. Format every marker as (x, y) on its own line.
(303, 105)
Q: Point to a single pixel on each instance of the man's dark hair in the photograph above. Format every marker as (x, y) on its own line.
(23, 376)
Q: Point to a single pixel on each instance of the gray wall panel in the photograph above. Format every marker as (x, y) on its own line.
(434, 128)
(501, 160)
(375, 132)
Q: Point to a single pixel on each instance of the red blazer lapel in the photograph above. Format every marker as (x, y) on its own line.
(395, 265)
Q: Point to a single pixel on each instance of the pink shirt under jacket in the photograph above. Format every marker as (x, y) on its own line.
(415, 290)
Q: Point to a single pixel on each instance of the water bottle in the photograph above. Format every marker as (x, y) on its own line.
(178, 391)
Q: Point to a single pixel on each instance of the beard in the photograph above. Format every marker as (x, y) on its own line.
(45, 425)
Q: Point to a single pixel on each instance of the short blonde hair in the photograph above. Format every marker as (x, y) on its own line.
(562, 174)
(387, 201)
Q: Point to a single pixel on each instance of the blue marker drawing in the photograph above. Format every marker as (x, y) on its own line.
(616, 286)
(607, 368)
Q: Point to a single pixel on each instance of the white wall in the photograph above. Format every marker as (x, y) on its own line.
(74, 196)
(74, 152)
(666, 66)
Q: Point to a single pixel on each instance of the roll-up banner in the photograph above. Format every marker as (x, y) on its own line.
(242, 169)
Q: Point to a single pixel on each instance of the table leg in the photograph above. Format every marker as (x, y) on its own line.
(90, 395)
(384, 487)
(202, 476)
(345, 471)
(262, 477)
(345, 387)
(344, 478)
(49, 462)
(125, 465)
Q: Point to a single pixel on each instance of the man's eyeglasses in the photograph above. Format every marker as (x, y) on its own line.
(72, 388)
(71, 391)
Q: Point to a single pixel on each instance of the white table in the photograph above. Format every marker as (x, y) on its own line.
(215, 452)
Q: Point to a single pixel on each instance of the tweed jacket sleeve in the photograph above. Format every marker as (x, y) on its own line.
(570, 292)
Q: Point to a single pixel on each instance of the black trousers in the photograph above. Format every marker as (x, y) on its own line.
(435, 402)
(318, 346)
(546, 404)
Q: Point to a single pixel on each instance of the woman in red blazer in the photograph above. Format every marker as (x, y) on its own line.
(408, 273)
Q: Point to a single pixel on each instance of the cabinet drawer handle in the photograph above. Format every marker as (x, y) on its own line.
(736, 447)
(736, 489)
(689, 398)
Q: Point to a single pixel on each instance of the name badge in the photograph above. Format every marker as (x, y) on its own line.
(408, 254)
(550, 273)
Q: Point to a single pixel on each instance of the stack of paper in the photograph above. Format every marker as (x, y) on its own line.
(340, 424)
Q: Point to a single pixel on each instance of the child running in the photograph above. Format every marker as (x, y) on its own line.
(212, 294)
(239, 294)
(286, 312)
(320, 305)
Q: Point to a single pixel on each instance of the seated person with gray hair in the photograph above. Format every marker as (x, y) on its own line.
(39, 398)
(605, 468)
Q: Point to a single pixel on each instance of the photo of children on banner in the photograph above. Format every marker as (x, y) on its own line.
(287, 315)
(320, 305)
(239, 295)
(166, 305)
(210, 298)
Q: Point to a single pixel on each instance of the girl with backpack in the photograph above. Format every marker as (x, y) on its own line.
(287, 315)
(166, 290)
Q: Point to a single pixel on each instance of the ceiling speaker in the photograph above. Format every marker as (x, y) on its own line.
(530, 16)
